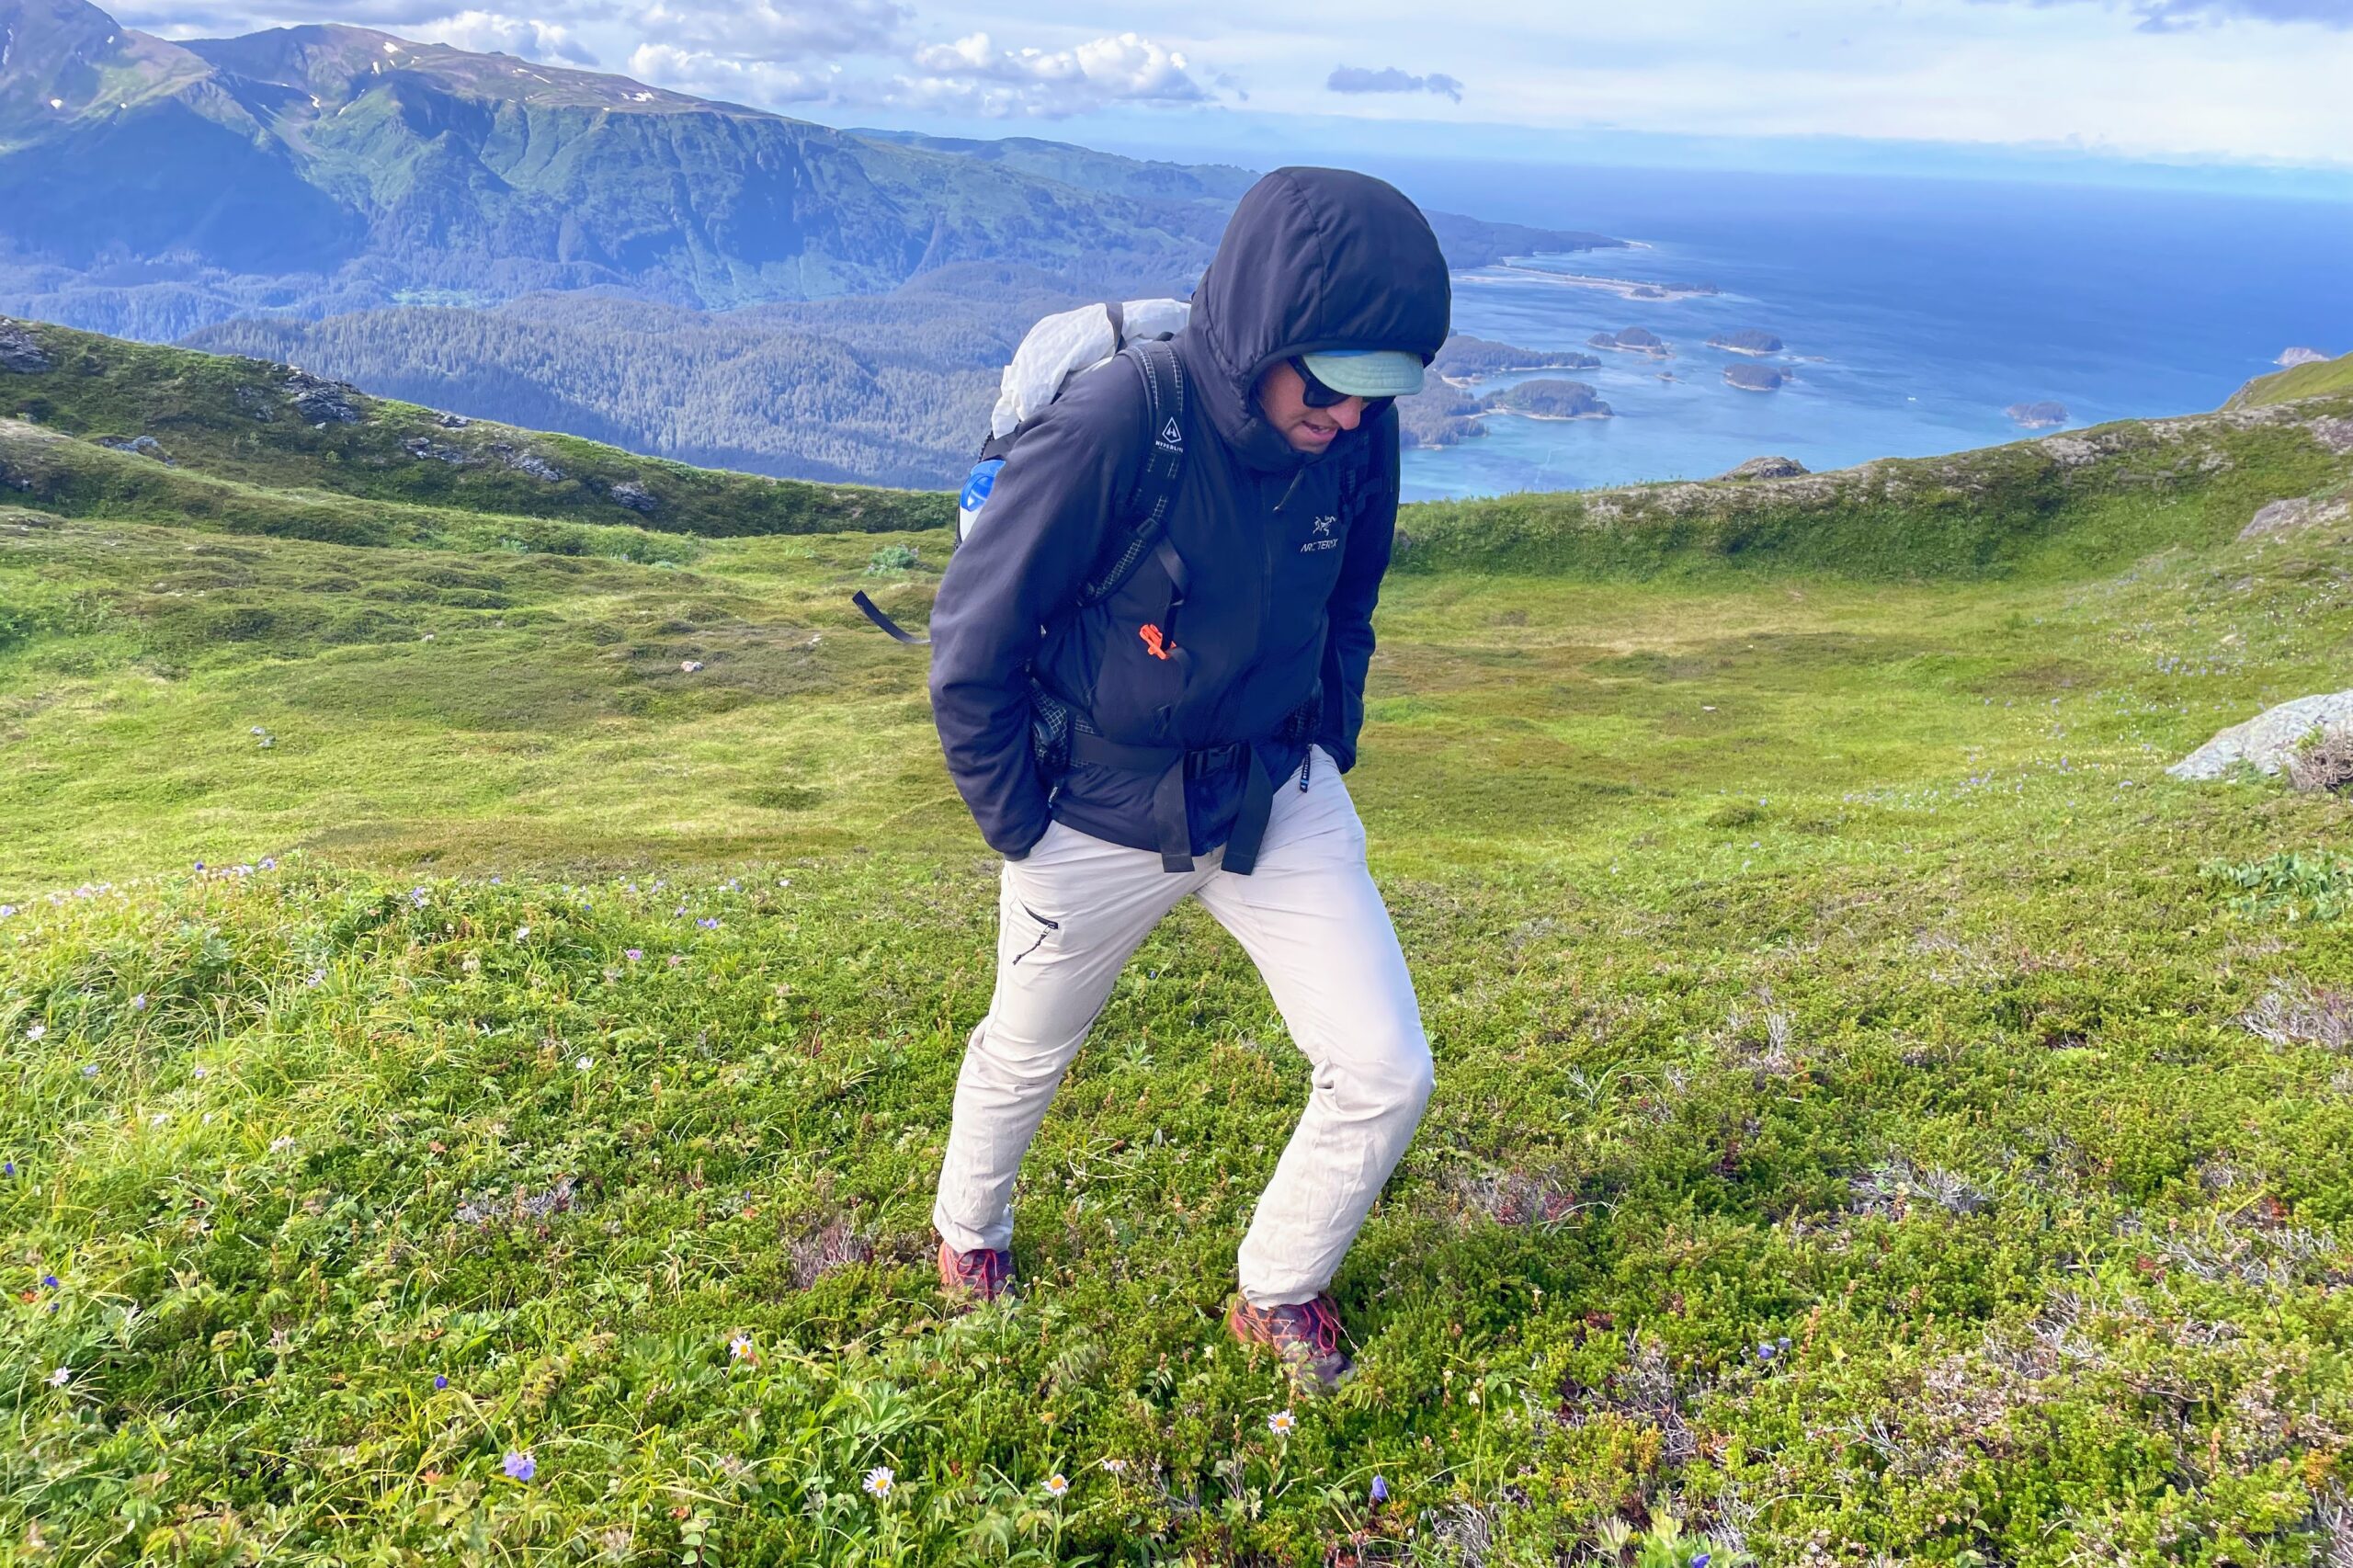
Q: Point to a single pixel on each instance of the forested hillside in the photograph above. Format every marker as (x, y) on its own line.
(890, 389)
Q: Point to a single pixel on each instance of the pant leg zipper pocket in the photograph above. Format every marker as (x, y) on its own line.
(1048, 927)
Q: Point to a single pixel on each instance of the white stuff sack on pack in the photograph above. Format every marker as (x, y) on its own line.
(1058, 347)
(1061, 345)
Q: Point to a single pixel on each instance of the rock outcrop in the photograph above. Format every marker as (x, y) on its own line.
(635, 497)
(19, 352)
(141, 446)
(322, 402)
(1768, 468)
(2268, 741)
(2296, 515)
(2291, 358)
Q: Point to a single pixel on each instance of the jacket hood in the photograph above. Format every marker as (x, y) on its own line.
(1312, 260)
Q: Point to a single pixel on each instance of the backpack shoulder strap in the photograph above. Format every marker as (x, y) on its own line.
(1145, 518)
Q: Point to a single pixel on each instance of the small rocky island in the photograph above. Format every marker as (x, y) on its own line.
(1630, 340)
(1466, 358)
(1440, 414)
(1747, 340)
(2043, 415)
(1754, 378)
(1549, 399)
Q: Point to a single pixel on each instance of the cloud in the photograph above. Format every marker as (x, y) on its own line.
(973, 77)
(2177, 16)
(489, 32)
(758, 82)
(1389, 79)
(769, 30)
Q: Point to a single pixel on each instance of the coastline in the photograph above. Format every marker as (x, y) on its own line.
(1624, 288)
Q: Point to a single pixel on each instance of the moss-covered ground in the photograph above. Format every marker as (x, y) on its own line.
(1880, 1116)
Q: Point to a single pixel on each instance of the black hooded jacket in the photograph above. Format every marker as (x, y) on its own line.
(1281, 578)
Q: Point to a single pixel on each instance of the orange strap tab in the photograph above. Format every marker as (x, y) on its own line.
(1152, 640)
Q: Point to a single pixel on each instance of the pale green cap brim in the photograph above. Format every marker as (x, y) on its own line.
(1366, 372)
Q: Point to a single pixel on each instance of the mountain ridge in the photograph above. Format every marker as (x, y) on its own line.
(366, 168)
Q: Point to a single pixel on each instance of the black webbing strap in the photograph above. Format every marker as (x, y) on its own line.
(874, 613)
(1163, 469)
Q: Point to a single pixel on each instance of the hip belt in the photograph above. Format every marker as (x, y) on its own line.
(1175, 765)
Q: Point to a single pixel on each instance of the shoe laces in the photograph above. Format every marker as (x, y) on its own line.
(980, 1266)
(1316, 1322)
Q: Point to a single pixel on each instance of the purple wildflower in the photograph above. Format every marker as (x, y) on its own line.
(440, 1382)
(269, 862)
(139, 1003)
(200, 865)
(1701, 1561)
(633, 954)
(1765, 1351)
(1380, 1490)
(522, 1466)
(709, 923)
(677, 959)
(7, 1167)
(89, 1069)
(49, 1282)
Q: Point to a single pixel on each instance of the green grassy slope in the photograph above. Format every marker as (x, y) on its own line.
(2325, 378)
(1867, 1127)
(254, 446)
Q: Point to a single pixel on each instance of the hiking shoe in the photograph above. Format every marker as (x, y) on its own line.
(982, 1274)
(1307, 1334)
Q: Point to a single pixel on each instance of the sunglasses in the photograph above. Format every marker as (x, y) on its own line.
(1316, 395)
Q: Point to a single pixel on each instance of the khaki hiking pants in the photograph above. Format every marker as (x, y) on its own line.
(1070, 915)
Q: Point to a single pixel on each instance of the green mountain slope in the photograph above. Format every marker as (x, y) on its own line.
(361, 163)
(482, 1009)
(2297, 381)
(431, 162)
(250, 445)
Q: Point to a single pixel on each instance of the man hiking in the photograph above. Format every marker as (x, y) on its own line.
(1212, 702)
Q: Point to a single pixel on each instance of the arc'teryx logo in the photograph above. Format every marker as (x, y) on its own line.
(1325, 539)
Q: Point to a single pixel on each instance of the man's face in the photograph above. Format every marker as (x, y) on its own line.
(1307, 429)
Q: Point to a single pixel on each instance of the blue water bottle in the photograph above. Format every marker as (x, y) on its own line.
(977, 486)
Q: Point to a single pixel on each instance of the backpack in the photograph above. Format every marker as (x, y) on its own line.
(1051, 352)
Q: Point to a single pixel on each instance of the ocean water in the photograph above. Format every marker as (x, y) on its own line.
(1913, 311)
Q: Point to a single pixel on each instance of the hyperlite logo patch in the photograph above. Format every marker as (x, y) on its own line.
(1322, 528)
(1170, 436)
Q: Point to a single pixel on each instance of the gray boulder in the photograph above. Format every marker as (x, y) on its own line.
(1766, 468)
(142, 446)
(19, 352)
(322, 402)
(2266, 741)
(525, 462)
(633, 495)
(2296, 515)
(423, 447)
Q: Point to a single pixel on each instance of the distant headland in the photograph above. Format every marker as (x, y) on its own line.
(2042, 415)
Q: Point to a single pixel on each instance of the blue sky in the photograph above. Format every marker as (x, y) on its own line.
(2216, 91)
